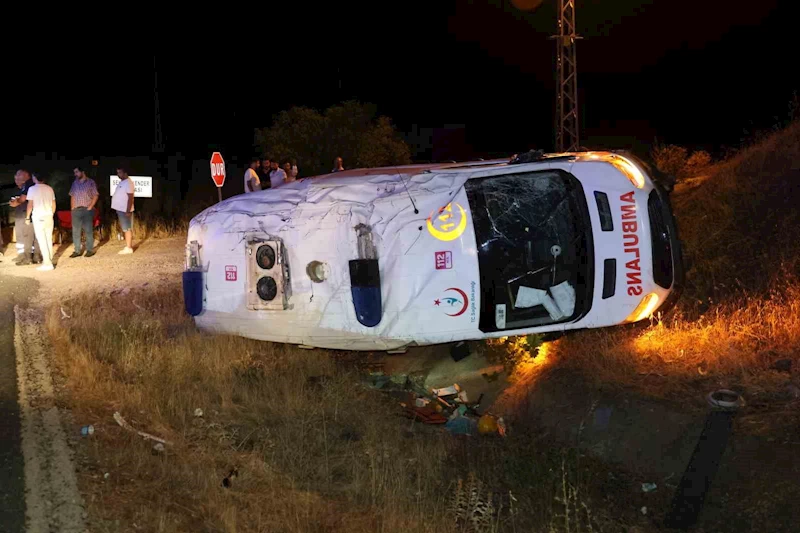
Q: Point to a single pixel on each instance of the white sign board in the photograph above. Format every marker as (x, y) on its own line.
(143, 186)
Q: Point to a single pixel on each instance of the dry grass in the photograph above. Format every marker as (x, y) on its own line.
(315, 450)
(732, 346)
(740, 225)
(151, 227)
(740, 312)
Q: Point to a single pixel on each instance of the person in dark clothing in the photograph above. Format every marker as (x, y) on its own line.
(263, 172)
(24, 232)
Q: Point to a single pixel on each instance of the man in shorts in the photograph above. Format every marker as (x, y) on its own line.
(122, 203)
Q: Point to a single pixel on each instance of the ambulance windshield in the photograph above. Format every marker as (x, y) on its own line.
(534, 248)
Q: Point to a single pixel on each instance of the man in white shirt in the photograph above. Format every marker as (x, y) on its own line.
(277, 176)
(40, 211)
(252, 182)
(122, 203)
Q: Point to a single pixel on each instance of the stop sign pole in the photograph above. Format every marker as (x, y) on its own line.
(218, 172)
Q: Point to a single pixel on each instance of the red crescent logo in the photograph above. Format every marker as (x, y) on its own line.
(466, 301)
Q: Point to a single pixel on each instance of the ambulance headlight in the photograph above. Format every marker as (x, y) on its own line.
(645, 308)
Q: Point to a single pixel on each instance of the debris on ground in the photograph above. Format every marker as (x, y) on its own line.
(121, 421)
(461, 425)
(448, 406)
(228, 480)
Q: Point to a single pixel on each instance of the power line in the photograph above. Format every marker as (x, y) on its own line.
(158, 144)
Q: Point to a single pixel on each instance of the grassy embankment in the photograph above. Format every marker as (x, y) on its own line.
(315, 451)
(740, 313)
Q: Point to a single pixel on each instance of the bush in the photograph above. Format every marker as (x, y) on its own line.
(670, 159)
(697, 163)
(676, 161)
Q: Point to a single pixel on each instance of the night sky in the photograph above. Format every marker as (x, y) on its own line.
(700, 74)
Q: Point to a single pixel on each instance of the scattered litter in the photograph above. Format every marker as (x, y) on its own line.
(462, 425)
(87, 430)
(228, 480)
(158, 448)
(121, 421)
(64, 314)
(452, 390)
(426, 414)
(643, 510)
(447, 406)
(501, 427)
(399, 379)
(648, 487)
(725, 398)
(106, 475)
(487, 424)
(378, 380)
(198, 412)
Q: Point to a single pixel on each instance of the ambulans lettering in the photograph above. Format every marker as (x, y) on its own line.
(630, 242)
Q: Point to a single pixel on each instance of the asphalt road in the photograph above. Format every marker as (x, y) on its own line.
(12, 483)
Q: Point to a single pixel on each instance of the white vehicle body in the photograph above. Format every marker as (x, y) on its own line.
(451, 245)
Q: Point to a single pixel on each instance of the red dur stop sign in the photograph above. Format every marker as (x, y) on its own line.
(217, 169)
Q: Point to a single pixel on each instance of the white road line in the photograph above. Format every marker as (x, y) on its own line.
(52, 499)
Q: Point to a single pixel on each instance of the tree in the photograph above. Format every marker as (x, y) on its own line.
(676, 161)
(350, 130)
(697, 163)
(670, 159)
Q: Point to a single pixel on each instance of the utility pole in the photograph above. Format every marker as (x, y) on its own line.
(158, 145)
(158, 149)
(567, 132)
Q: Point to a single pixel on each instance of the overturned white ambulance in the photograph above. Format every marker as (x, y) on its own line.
(384, 258)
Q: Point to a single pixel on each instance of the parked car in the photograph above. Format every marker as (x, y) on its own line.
(384, 258)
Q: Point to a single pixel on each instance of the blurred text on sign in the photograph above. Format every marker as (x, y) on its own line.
(143, 186)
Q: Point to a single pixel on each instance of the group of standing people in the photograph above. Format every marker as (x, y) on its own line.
(265, 173)
(35, 209)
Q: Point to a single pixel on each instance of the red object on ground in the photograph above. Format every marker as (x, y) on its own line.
(65, 219)
(65, 223)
